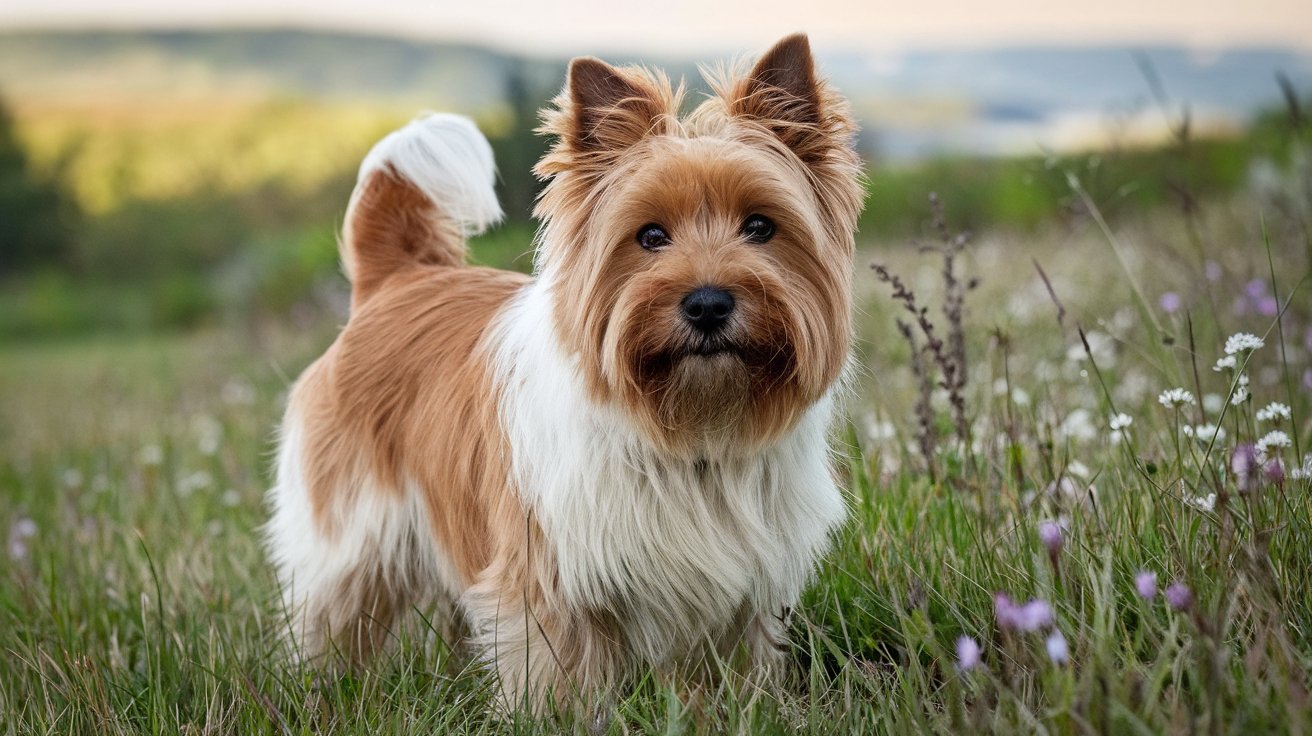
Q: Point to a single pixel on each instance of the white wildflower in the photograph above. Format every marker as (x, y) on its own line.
(880, 430)
(231, 498)
(1058, 650)
(193, 482)
(1078, 469)
(19, 533)
(71, 478)
(1273, 412)
(1101, 345)
(1020, 397)
(1204, 433)
(1242, 341)
(1124, 320)
(1203, 503)
(1241, 393)
(1067, 491)
(1078, 425)
(1119, 424)
(1304, 472)
(238, 391)
(1132, 387)
(1226, 363)
(1213, 403)
(1274, 438)
(1175, 397)
(209, 433)
(151, 455)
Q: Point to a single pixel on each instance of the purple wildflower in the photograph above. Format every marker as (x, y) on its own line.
(1255, 299)
(1212, 270)
(1145, 583)
(1274, 470)
(1050, 535)
(1169, 302)
(1243, 461)
(1030, 616)
(1178, 596)
(1004, 609)
(968, 654)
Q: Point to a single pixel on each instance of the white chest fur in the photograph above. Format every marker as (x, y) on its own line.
(675, 548)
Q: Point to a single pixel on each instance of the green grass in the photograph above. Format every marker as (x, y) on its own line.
(143, 603)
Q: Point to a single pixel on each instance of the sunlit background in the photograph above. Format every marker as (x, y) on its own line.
(175, 165)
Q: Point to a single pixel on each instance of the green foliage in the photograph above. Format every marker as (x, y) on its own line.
(36, 219)
(1023, 194)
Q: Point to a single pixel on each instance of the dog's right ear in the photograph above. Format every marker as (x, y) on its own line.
(612, 108)
(602, 112)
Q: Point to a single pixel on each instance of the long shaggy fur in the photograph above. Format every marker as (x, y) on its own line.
(552, 459)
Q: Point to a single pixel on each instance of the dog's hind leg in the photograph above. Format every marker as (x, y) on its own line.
(347, 570)
(343, 592)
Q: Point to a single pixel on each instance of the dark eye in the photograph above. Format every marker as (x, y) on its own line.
(758, 228)
(652, 236)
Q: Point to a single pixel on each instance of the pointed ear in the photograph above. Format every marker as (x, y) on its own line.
(782, 93)
(611, 108)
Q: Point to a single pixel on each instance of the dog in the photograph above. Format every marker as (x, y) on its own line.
(621, 463)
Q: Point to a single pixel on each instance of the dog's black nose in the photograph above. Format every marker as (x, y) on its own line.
(707, 308)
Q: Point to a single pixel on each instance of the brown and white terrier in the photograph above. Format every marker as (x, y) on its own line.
(622, 462)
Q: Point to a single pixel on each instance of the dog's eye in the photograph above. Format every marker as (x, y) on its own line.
(758, 229)
(652, 236)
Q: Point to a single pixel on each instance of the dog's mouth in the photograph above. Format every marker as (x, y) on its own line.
(704, 352)
(707, 347)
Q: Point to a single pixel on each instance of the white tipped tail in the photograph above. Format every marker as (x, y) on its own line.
(421, 191)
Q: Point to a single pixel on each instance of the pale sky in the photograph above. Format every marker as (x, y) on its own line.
(597, 26)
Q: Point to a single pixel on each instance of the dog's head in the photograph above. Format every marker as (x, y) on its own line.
(700, 266)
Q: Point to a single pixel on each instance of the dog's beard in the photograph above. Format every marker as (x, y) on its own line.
(706, 394)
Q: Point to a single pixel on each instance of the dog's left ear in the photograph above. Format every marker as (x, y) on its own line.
(782, 93)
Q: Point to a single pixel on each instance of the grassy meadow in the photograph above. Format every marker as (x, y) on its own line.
(1078, 480)
(136, 599)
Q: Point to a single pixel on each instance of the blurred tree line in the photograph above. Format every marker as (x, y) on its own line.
(265, 246)
(37, 218)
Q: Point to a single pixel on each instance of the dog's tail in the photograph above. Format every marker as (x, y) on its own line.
(422, 190)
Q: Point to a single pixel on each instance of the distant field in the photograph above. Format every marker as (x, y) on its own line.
(118, 151)
(186, 213)
(135, 597)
